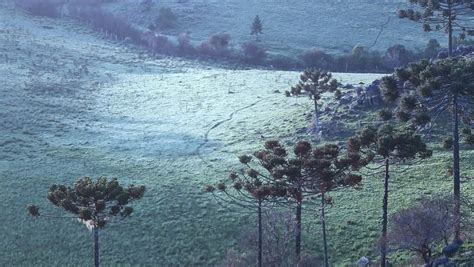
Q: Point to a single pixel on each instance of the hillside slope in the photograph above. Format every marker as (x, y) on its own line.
(75, 104)
(289, 26)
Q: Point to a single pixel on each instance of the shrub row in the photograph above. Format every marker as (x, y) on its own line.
(217, 46)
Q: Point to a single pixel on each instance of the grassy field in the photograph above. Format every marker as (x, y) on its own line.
(289, 26)
(75, 104)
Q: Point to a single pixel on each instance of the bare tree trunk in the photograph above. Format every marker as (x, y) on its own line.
(96, 246)
(298, 227)
(260, 241)
(316, 115)
(383, 260)
(450, 31)
(323, 222)
(456, 168)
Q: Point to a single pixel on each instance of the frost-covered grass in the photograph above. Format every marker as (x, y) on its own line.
(74, 104)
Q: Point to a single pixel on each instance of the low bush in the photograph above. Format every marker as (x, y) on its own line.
(253, 53)
(162, 45)
(184, 45)
(282, 62)
(104, 21)
(315, 58)
(397, 56)
(216, 46)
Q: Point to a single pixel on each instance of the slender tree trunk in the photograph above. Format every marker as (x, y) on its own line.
(450, 31)
(298, 226)
(96, 246)
(456, 168)
(426, 259)
(383, 260)
(260, 239)
(323, 222)
(316, 115)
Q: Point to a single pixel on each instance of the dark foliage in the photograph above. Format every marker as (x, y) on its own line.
(93, 201)
(257, 27)
(392, 146)
(216, 46)
(253, 53)
(282, 62)
(105, 22)
(442, 15)
(315, 58)
(314, 82)
(184, 45)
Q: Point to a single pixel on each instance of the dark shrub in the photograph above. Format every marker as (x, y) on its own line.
(315, 58)
(162, 45)
(282, 62)
(103, 21)
(166, 19)
(158, 43)
(253, 53)
(397, 56)
(432, 48)
(46, 8)
(216, 46)
(184, 45)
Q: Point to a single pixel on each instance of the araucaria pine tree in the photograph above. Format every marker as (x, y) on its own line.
(429, 90)
(310, 172)
(256, 28)
(390, 146)
(249, 189)
(314, 83)
(94, 203)
(443, 15)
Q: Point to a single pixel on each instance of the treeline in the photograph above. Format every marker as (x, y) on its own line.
(218, 46)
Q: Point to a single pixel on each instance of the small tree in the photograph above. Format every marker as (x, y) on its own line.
(432, 48)
(256, 28)
(94, 203)
(315, 82)
(424, 227)
(443, 15)
(428, 89)
(391, 146)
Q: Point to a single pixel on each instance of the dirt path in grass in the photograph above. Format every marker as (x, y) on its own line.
(231, 116)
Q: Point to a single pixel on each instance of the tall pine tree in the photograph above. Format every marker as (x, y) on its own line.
(426, 90)
(450, 16)
(256, 28)
(314, 83)
(389, 146)
(94, 203)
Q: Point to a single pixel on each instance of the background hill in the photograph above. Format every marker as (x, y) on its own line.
(289, 26)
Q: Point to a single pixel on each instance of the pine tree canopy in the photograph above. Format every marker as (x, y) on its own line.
(315, 82)
(425, 89)
(436, 14)
(92, 201)
(257, 27)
